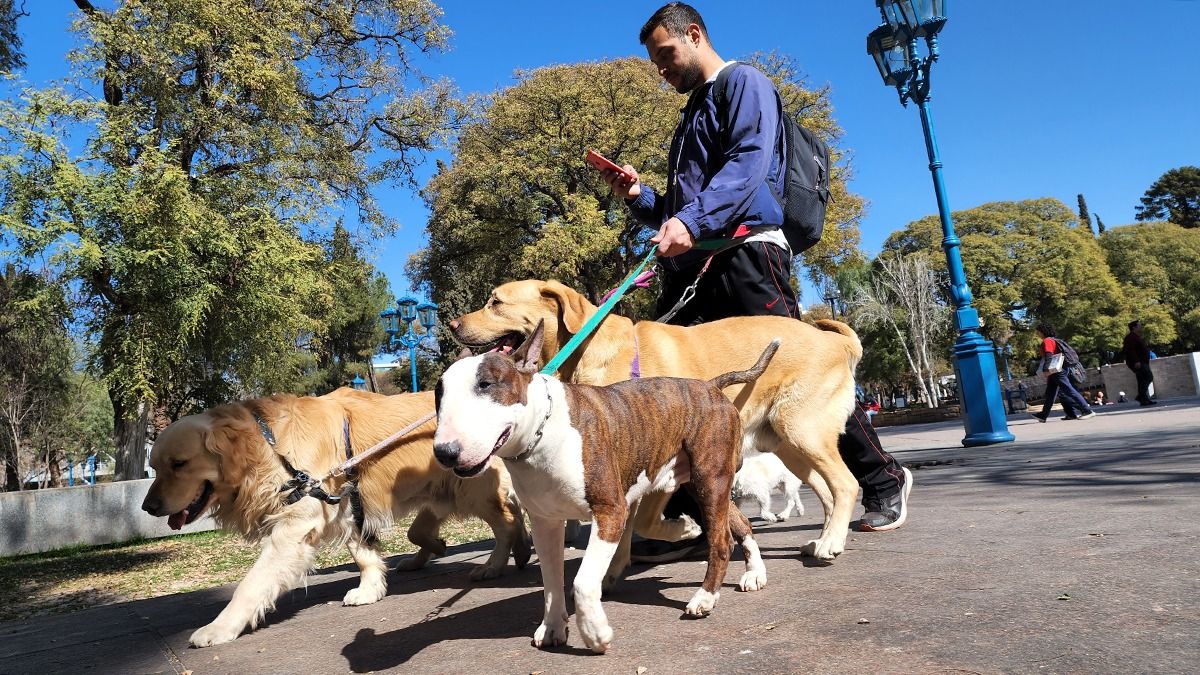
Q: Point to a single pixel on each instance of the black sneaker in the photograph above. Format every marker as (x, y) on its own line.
(1040, 417)
(654, 551)
(887, 513)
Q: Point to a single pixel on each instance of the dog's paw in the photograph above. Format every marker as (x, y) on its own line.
(753, 580)
(412, 563)
(702, 603)
(823, 549)
(213, 634)
(521, 552)
(690, 528)
(597, 634)
(482, 572)
(769, 517)
(364, 595)
(548, 635)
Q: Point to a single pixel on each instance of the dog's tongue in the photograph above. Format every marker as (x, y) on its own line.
(176, 520)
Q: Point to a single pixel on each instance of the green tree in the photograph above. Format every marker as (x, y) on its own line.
(229, 134)
(11, 57)
(1084, 217)
(34, 362)
(1029, 262)
(1174, 197)
(519, 201)
(355, 332)
(1159, 264)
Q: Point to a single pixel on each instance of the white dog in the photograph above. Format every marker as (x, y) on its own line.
(759, 476)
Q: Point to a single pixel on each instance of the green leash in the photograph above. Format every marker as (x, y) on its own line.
(589, 327)
(586, 331)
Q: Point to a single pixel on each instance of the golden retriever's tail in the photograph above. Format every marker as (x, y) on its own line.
(744, 376)
(853, 346)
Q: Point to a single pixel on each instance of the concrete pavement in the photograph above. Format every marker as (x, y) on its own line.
(1072, 550)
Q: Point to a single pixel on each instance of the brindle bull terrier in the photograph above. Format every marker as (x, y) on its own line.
(585, 452)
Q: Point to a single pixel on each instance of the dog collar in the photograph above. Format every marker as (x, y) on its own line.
(537, 435)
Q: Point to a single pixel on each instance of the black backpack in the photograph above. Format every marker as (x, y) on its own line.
(806, 183)
(1072, 366)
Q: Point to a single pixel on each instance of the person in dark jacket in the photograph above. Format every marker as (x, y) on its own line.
(721, 184)
(1137, 357)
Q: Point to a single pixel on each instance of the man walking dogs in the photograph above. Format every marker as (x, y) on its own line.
(725, 170)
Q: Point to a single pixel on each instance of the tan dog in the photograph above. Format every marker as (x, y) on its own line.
(797, 409)
(581, 451)
(221, 460)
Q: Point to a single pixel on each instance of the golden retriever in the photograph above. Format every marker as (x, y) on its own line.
(221, 460)
(797, 409)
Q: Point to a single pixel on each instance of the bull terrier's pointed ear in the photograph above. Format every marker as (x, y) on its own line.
(465, 353)
(527, 355)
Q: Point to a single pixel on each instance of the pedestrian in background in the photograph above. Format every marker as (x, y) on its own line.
(1057, 383)
(1137, 357)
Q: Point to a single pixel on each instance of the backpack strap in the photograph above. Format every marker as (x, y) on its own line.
(721, 99)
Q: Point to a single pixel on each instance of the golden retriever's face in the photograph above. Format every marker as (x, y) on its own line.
(186, 472)
(514, 310)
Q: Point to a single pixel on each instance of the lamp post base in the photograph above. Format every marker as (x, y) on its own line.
(979, 387)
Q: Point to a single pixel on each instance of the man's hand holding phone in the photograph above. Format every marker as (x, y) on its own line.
(622, 179)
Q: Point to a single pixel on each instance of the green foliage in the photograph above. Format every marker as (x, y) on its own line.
(1159, 265)
(10, 41)
(1028, 262)
(518, 201)
(196, 219)
(48, 411)
(1175, 197)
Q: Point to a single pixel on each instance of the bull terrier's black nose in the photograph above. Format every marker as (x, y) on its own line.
(152, 505)
(447, 453)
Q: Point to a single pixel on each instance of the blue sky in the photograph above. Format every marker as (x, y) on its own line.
(1029, 100)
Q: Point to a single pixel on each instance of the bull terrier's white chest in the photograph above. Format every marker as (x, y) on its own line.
(549, 482)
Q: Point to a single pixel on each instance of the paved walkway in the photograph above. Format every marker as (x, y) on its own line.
(1072, 550)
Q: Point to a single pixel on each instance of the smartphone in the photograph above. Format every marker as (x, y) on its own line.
(602, 163)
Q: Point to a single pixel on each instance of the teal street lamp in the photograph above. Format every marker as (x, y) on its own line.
(409, 310)
(832, 298)
(894, 47)
(358, 383)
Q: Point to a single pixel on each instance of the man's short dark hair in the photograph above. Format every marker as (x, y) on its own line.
(1047, 330)
(1134, 324)
(675, 17)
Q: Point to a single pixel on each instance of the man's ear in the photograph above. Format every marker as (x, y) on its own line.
(529, 353)
(572, 306)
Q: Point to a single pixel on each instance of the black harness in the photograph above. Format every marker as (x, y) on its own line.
(302, 485)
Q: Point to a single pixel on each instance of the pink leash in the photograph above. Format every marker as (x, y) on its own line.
(642, 281)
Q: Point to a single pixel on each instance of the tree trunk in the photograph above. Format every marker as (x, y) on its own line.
(371, 375)
(129, 434)
(12, 473)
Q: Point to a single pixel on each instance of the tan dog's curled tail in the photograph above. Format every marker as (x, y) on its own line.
(853, 347)
(744, 376)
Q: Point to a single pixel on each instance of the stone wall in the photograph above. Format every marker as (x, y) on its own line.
(33, 521)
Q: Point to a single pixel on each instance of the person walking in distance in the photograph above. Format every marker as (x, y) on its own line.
(722, 180)
(1058, 385)
(1137, 357)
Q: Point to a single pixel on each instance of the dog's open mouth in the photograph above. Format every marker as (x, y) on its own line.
(478, 468)
(505, 343)
(192, 511)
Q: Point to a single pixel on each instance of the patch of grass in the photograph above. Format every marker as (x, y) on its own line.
(78, 577)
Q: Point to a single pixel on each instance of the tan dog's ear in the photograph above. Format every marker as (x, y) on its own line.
(529, 353)
(227, 439)
(572, 306)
